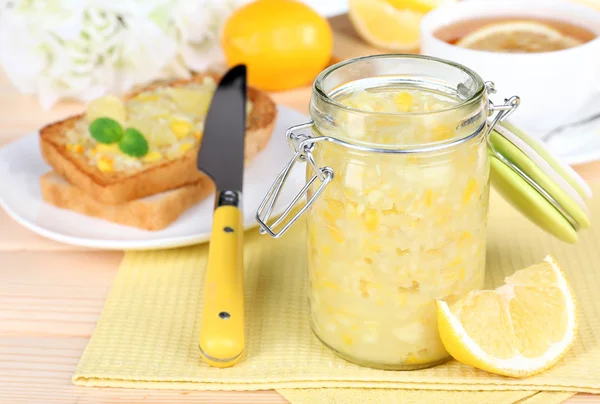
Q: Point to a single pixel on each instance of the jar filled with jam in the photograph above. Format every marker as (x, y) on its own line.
(397, 200)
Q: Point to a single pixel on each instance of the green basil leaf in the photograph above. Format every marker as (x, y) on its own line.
(133, 143)
(106, 130)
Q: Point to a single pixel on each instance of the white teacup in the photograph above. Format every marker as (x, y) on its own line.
(553, 86)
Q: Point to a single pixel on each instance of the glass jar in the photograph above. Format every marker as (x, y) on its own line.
(398, 190)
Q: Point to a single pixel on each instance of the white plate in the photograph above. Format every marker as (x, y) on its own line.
(21, 166)
(579, 144)
(581, 149)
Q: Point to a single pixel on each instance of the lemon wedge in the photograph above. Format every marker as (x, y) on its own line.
(106, 107)
(517, 36)
(391, 24)
(519, 329)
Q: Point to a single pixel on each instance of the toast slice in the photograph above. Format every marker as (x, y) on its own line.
(150, 213)
(120, 186)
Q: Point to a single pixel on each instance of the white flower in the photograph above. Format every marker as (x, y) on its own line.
(83, 49)
(199, 24)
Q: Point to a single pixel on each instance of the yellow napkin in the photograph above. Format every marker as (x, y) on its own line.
(147, 334)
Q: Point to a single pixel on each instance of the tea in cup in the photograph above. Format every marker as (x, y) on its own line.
(548, 52)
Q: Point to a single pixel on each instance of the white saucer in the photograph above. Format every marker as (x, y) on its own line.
(21, 166)
(579, 144)
(581, 149)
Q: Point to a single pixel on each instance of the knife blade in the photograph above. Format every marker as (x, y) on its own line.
(221, 157)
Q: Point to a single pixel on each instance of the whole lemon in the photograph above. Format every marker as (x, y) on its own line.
(284, 43)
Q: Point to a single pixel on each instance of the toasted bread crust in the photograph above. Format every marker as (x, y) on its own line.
(155, 214)
(119, 187)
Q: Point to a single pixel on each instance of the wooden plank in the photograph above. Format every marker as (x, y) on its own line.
(52, 293)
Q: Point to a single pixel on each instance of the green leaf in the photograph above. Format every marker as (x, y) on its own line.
(133, 143)
(106, 130)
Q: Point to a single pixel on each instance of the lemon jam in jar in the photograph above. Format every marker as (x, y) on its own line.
(397, 204)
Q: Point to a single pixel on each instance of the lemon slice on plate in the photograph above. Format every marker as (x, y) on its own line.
(518, 329)
(517, 36)
(391, 24)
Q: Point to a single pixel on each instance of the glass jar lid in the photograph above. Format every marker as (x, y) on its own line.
(544, 189)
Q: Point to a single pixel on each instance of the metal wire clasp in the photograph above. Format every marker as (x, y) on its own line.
(303, 145)
(502, 111)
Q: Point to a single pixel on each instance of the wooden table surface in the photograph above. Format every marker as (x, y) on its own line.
(51, 294)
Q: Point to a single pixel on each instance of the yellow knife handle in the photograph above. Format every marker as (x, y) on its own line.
(222, 326)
